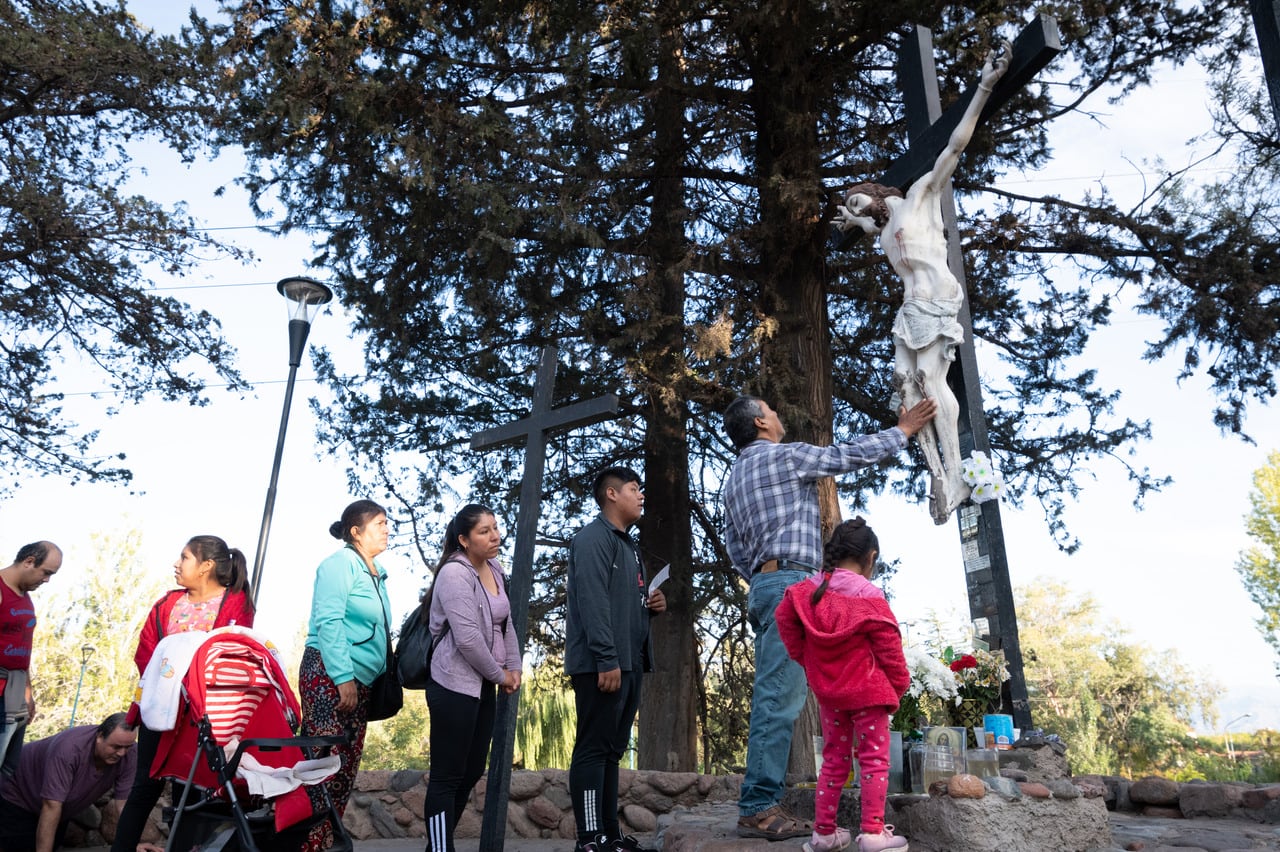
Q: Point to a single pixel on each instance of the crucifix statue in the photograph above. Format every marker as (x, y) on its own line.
(934, 134)
(534, 430)
(926, 333)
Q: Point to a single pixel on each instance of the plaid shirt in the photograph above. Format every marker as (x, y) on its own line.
(771, 496)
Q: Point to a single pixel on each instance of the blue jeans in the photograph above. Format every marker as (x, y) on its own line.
(777, 696)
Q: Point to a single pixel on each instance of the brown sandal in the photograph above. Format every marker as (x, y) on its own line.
(773, 824)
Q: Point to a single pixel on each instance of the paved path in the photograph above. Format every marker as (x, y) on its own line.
(710, 828)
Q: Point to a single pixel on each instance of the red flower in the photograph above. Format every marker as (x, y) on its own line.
(965, 661)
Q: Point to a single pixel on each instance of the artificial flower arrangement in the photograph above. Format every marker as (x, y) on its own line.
(933, 688)
(978, 676)
(983, 478)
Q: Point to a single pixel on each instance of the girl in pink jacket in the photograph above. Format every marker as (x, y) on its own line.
(840, 628)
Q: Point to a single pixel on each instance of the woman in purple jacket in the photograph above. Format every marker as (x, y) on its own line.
(476, 652)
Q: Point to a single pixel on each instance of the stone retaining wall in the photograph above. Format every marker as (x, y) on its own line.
(389, 804)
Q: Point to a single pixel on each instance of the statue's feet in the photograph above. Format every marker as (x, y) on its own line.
(939, 506)
(918, 379)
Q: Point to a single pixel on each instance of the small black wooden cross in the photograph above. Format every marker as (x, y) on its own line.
(928, 128)
(533, 430)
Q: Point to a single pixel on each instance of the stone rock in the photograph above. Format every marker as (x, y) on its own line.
(406, 779)
(1161, 811)
(1090, 790)
(640, 819)
(1154, 790)
(653, 800)
(1061, 788)
(627, 777)
(358, 824)
(1208, 800)
(403, 817)
(389, 799)
(469, 824)
(1041, 764)
(1014, 774)
(993, 824)
(373, 780)
(525, 785)
(938, 788)
(383, 822)
(966, 787)
(543, 812)
(1259, 796)
(568, 828)
(1006, 787)
(519, 824)
(559, 797)
(671, 783)
(1035, 790)
(361, 801)
(415, 800)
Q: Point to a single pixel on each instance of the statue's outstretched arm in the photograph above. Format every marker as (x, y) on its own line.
(992, 70)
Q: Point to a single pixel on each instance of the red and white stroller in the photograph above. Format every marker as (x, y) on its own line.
(233, 745)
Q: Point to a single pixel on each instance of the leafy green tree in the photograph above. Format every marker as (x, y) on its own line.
(1259, 564)
(1120, 707)
(103, 609)
(646, 187)
(80, 82)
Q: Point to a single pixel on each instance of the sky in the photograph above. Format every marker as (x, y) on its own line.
(1165, 573)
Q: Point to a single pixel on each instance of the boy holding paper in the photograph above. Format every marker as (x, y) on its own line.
(608, 608)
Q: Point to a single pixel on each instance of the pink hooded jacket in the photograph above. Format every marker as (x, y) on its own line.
(849, 644)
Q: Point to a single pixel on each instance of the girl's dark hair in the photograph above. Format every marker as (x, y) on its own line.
(357, 514)
(229, 566)
(850, 540)
(461, 524)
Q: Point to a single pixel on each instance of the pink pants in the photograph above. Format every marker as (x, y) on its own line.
(868, 729)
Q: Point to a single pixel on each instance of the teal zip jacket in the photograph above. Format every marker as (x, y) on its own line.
(347, 625)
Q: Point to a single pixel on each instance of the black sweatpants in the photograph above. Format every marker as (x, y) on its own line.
(604, 730)
(461, 733)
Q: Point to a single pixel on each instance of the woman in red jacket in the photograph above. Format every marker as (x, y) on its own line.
(840, 628)
(212, 579)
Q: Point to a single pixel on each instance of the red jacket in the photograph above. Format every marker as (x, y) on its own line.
(849, 645)
(235, 609)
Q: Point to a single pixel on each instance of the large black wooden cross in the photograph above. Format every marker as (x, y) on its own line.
(928, 128)
(533, 430)
(1266, 21)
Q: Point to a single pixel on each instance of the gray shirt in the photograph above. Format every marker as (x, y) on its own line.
(60, 768)
(480, 642)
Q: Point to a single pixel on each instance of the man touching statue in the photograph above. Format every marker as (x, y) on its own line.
(926, 332)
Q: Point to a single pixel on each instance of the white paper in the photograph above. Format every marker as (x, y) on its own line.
(660, 578)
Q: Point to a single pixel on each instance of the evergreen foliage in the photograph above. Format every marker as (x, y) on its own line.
(80, 83)
(646, 187)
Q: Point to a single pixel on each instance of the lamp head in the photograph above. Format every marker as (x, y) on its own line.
(305, 295)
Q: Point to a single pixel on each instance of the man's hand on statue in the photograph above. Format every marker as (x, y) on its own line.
(912, 420)
(610, 681)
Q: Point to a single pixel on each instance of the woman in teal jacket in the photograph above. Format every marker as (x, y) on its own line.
(346, 647)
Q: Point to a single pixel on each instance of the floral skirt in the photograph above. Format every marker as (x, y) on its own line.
(321, 717)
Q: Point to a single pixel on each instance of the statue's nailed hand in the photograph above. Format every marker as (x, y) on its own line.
(852, 214)
(997, 63)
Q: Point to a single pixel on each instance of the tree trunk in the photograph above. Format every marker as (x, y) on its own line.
(797, 362)
(669, 708)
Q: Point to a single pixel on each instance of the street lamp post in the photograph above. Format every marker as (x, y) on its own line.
(306, 295)
(86, 651)
(1226, 729)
